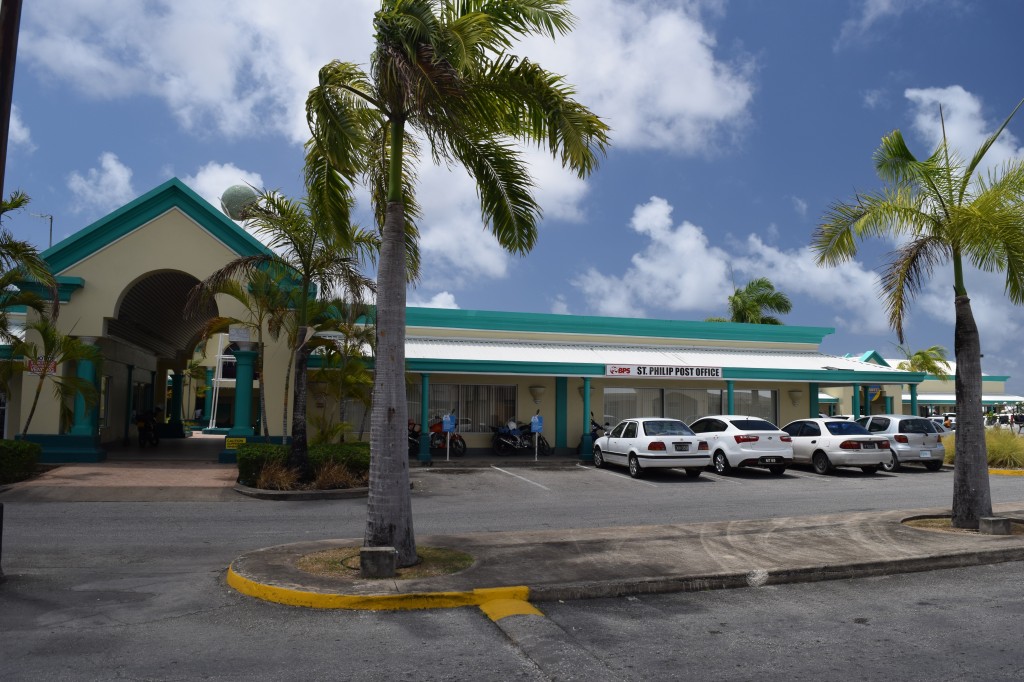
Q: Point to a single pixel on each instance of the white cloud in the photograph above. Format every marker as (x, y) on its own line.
(237, 68)
(800, 206)
(212, 179)
(874, 98)
(650, 70)
(233, 67)
(559, 306)
(441, 299)
(678, 270)
(102, 189)
(863, 27)
(966, 127)
(18, 133)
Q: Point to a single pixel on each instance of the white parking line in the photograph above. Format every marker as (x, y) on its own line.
(809, 476)
(618, 475)
(520, 478)
(718, 477)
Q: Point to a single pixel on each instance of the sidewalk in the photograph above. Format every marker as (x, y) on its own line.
(611, 562)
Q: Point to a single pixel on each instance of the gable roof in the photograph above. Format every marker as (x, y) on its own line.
(170, 195)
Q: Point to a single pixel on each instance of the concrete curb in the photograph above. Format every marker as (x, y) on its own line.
(301, 495)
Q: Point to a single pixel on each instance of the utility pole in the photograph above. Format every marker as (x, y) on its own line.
(10, 21)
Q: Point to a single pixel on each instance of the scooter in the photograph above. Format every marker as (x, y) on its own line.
(515, 436)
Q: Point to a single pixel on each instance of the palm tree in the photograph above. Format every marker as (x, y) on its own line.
(931, 360)
(22, 257)
(751, 303)
(56, 348)
(442, 70)
(318, 256)
(942, 211)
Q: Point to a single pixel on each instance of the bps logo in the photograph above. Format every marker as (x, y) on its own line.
(619, 371)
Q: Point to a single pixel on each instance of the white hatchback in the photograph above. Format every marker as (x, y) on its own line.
(739, 441)
(829, 443)
(652, 442)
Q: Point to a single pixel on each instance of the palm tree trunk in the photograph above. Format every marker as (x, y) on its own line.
(972, 498)
(263, 384)
(35, 401)
(298, 455)
(287, 397)
(389, 507)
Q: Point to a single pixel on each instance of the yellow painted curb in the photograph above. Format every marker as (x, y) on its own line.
(384, 602)
(1007, 472)
(496, 609)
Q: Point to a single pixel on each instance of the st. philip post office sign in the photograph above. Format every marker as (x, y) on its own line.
(663, 371)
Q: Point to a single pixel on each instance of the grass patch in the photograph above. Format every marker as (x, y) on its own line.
(1005, 448)
(343, 562)
(945, 524)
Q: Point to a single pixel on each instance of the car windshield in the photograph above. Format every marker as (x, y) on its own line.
(753, 425)
(916, 426)
(846, 429)
(667, 427)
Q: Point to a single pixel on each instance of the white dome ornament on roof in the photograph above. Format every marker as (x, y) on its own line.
(236, 199)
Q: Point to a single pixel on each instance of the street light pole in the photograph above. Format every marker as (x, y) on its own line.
(47, 215)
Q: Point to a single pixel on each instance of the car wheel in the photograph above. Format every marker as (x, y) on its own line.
(933, 466)
(598, 458)
(634, 467)
(870, 470)
(721, 463)
(821, 463)
(693, 473)
(777, 471)
(891, 464)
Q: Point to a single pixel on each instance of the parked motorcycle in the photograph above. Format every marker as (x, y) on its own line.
(414, 439)
(457, 444)
(596, 431)
(515, 436)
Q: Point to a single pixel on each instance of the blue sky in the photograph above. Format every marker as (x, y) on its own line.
(735, 124)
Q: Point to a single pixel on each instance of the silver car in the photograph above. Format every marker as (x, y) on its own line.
(829, 443)
(911, 439)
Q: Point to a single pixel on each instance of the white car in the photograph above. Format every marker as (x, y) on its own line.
(911, 439)
(650, 443)
(829, 443)
(740, 441)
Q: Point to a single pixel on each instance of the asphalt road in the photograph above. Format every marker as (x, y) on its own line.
(135, 590)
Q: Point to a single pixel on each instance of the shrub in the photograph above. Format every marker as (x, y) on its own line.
(1005, 448)
(335, 465)
(276, 476)
(18, 460)
(252, 457)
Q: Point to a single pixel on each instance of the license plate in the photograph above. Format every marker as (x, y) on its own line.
(770, 460)
(926, 454)
(867, 446)
(682, 447)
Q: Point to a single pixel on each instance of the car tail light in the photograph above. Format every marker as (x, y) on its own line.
(703, 445)
(882, 444)
(656, 446)
(850, 445)
(786, 439)
(900, 438)
(746, 439)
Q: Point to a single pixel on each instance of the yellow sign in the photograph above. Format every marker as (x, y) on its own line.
(233, 443)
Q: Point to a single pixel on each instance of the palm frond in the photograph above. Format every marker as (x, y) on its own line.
(909, 267)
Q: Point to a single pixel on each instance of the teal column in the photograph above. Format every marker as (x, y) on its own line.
(561, 411)
(424, 419)
(730, 397)
(208, 398)
(913, 399)
(175, 411)
(128, 407)
(856, 401)
(587, 450)
(245, 361)
(85, 419)
(888, 404)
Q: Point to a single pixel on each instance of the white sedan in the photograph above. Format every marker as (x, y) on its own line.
(829, 443)
(739, 441)
(652, 442)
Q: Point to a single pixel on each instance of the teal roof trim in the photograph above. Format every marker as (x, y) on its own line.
(487, 320)
(872, 356)
(171, 194)
(65, 287)
(831, 377)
